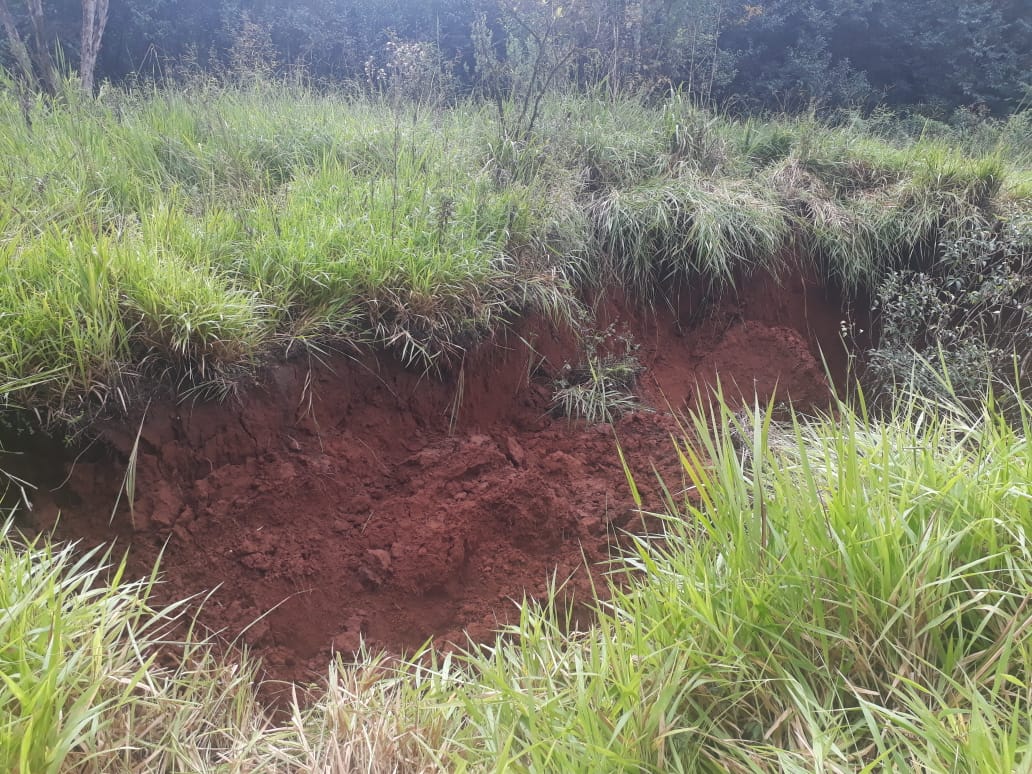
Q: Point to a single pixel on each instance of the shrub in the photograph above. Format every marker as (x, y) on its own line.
(969, 313)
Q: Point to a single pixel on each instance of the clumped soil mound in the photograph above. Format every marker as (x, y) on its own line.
(352, 499)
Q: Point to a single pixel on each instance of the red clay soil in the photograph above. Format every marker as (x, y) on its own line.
(354, 499)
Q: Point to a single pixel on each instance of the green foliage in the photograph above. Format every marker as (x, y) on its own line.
(182, 245)
(868, 207)
(79, 682)
(538, 57)
(93, 679)
(968, 316)
(181, 238)
(935, 55)
(68, 657)
(830, 595)
(938, 54)
(688, 228)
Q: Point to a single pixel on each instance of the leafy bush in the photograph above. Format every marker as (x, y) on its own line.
(969, 315)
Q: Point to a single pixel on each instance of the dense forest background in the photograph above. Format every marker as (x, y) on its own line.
(938, 56)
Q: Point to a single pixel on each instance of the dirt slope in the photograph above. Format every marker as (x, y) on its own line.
(353, 499)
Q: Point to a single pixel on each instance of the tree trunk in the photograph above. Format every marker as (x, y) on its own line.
(17, 45)
(94, 19)
(44, 60)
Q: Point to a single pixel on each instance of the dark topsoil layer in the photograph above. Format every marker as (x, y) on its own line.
(354, 499)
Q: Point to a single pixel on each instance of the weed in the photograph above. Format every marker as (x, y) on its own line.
(600, 389)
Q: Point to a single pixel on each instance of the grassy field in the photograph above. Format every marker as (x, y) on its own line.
(842, 593)
(181, 238)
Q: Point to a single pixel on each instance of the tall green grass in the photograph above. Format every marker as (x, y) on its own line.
(80, 682)
(94, 679)
(867, 207)
(827, 595)
(689, 229)
(182, 237)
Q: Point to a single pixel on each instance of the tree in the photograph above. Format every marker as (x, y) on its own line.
(44, 59)
(904, 52)
(94, 19)
(36, 64)
(43, 73)
(16, 44)
(539, 50)
(784, 54)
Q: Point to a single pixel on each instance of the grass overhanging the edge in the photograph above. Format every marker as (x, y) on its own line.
(833, 593)
(181, 237)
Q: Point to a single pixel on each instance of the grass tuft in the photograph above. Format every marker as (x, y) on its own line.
(689, 229)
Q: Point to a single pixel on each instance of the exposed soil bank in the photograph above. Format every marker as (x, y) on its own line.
(355, 499)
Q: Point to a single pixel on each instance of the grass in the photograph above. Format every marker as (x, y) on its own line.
(154, 239)
(689, 229)
(836, 593)
(181, 238)
(71, 651)
(832, 593)
(601, 390)
(94, 679)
